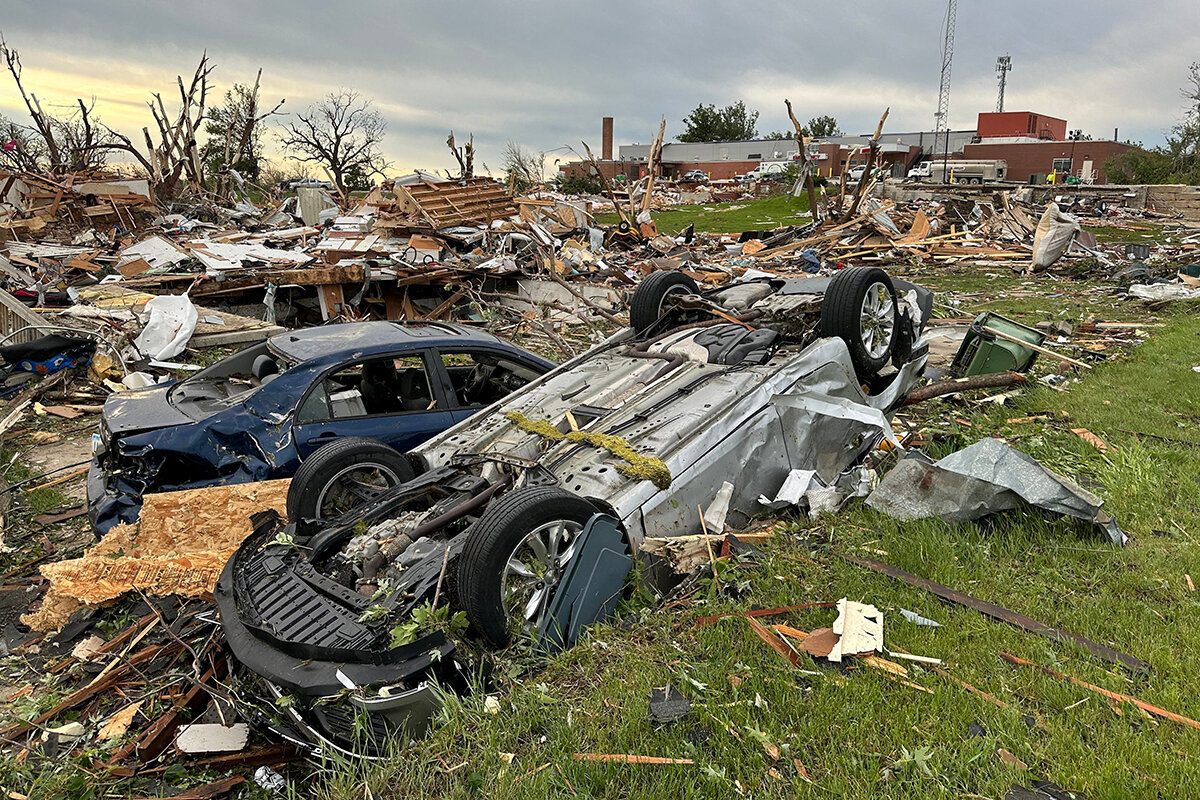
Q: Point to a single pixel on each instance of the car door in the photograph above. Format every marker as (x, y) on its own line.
(392, 399)
(476, 377)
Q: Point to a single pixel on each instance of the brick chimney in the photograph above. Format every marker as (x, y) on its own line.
(606, 139)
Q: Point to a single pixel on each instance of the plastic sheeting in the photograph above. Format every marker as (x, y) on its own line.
(986, 478)
(170, 325)
(1054, 234)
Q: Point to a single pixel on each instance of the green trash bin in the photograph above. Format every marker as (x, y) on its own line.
(984, 353)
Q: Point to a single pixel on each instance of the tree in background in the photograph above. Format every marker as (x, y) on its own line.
(707, 123)
(235, 136)
(1179, 160)
(76, 142)
(824, 125)
(523, 168)
(342, 133)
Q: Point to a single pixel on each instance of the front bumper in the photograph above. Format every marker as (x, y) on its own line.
(108, 503)
(315, 680)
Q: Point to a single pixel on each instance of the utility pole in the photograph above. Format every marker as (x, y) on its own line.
(1003, 65)
(941, 117)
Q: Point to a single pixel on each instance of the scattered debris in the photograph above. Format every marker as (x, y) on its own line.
(1120, 698)
(668, 705)
(1003, 614)
(985, 478)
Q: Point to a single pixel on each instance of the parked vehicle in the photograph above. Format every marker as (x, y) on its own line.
(391, 383)
(695, 176)
(856, 173)
(745, 383)
(920, 172)
(967, 171)
(292, 184)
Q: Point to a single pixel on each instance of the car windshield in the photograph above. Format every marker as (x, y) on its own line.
(230, 381)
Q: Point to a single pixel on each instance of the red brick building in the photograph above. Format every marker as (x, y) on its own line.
(1001, 124)
(1034, 160)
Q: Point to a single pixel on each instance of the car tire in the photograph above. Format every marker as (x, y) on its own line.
(306, 494)
(646, 306)
(861, 308)
(494, 540)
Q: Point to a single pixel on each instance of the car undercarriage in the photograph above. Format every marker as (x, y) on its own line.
(525, 518)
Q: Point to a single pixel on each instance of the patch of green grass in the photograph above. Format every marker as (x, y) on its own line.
(852, 728)
(1143, 232)
(763, 214)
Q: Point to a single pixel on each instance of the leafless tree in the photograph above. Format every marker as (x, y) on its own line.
(465, 155)
(343, 133)
(73, 142)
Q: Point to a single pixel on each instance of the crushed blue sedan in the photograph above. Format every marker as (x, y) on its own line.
(342, 402)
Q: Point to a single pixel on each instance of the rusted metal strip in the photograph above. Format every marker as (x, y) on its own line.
(1004, 615)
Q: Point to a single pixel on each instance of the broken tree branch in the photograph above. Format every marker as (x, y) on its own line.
(995, 381)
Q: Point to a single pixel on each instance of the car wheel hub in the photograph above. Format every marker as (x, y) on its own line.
(877, 320)
(533, 571)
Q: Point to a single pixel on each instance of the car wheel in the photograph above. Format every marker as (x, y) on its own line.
(343, 475)
(513, 558)
(649, 298)
(861, 308)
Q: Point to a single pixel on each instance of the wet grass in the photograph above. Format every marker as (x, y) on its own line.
(852, 729)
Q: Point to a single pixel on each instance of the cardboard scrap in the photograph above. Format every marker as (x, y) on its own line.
(119, 723)
(859, 627)
(179, 546)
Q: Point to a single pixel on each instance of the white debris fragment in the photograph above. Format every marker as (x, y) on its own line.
(204, 737)
(917, 619)
(860, 628)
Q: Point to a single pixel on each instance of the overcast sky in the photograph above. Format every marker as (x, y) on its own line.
(544, 73)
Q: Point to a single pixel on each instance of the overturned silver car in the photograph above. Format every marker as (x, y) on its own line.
(525, 515)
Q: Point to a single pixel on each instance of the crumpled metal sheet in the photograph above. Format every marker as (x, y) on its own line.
(986, 478)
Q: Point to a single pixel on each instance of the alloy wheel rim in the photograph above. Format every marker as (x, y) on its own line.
(877, 320)
(533, 571)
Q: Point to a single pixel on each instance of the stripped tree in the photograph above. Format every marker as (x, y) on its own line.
(342, 133)
(233, 151)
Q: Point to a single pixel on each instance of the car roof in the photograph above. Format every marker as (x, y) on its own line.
(326, 340)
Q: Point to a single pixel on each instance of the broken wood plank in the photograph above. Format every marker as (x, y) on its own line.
(1003, 614)
(625, 758)
(700, 622)
(1122, 698)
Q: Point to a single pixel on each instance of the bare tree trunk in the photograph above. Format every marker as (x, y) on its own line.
(808, 180)
(866, 176)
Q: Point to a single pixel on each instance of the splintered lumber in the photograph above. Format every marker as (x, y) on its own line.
(1003, 614)
(102, 683)
(625, 758)
(461, 202)
(994, 381)
(774, 642)
(208, 791)
(761, 612)
(1120, 698)
(996, 701)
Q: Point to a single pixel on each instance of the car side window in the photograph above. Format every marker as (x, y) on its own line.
(481, 377)
(370, 388)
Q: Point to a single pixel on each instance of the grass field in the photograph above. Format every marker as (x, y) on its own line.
(857, 733)
(764, 214)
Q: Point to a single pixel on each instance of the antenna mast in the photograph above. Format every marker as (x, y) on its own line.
(1003, 65)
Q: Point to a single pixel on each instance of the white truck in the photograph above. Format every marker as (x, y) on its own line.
(966, 171)
(764, 171)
